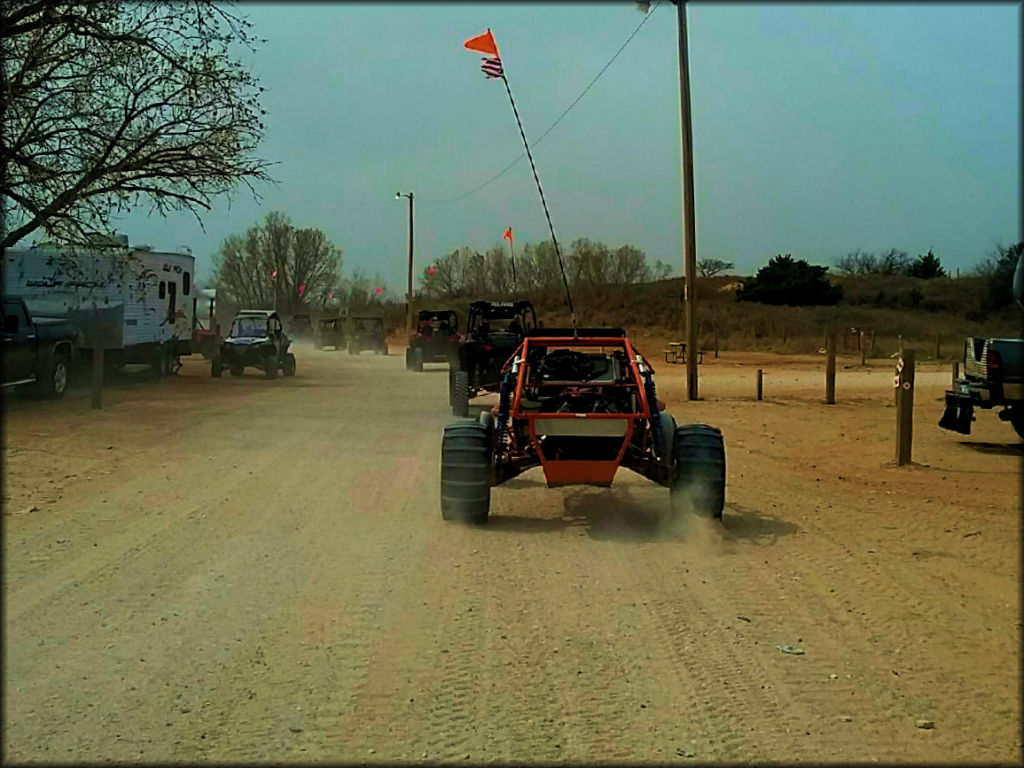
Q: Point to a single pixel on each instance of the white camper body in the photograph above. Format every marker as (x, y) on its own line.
(145, 299)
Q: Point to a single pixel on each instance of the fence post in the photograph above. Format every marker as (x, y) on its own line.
(760, 383)
(716, 342)
(938, 346)
(97, 363)
(830, 367)
(871, 343)
(860, 343)
(904, 383)
(901, 344)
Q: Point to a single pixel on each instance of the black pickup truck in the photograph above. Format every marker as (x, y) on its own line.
(37, 350)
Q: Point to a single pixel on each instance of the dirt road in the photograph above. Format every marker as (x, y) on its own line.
(242, 569)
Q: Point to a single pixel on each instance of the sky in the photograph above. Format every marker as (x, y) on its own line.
(817, 130)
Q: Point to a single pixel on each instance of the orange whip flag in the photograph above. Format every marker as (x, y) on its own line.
(493, 68)
(485, 43)
(512, 249)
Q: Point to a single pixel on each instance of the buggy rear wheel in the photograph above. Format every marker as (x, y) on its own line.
(698, 479)
(460, 394)
(466, 472)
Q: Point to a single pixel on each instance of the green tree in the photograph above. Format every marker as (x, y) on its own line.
(926, 266)
(790, 281)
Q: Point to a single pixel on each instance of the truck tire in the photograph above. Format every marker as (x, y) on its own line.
(216, 368)
(53, 375)
(466, 473)
(270, 365)
(289, 365)
(460, 394)
(698, 478)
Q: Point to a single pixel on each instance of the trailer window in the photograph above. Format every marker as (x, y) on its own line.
(186, 283)
(163, 289)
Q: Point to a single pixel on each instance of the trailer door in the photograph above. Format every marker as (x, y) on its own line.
(172, 306)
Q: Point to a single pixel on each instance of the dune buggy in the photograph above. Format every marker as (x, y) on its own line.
(580, 407)
(436, 339)
(367, 333)
(257, 340)
(330, 332)
(493, 332)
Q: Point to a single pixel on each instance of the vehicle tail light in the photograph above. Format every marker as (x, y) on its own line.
(994, 364)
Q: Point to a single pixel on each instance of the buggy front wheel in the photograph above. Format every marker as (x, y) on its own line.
(460, 394)
(289, 365)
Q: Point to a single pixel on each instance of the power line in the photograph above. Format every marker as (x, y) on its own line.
(551, 127)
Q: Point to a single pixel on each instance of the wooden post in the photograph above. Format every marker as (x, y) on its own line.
(901, 343)
(904, 382)
(830, 368)
(956, 373)
(97, 363)
(871, 343)
(760, 384)
(860, 343)
(716, 342)
(938, 346)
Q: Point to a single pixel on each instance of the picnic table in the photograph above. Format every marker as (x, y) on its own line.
(676, 353)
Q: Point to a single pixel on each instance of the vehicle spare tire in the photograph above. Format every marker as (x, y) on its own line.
(466, 473)
(698, 481)
(460, 394)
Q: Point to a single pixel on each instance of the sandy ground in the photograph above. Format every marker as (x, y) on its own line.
(252, 570)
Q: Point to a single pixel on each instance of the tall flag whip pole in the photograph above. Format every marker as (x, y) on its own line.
(512, 250)
(492, 68)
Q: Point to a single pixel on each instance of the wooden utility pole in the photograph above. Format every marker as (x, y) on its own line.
(97, 362)
(689, 226)
(904, 385)
(830, 367)
(408, 292)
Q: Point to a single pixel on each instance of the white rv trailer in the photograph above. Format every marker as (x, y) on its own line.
(145, 299)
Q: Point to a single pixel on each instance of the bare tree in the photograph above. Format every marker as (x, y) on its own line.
(109, 104)
(711, 267)
(277, 266)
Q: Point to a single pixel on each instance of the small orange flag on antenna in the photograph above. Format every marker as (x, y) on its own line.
(483, 43)
(508, 234)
